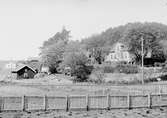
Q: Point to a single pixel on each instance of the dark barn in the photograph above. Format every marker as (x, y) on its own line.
(24, 72)
(151, 61)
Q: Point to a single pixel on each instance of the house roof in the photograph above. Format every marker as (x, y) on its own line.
(21, 66)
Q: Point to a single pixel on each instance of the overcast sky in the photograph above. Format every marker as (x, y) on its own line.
(25, 24)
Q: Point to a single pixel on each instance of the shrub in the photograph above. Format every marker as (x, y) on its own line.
(119, 68)
(81, 73)
(97, 76)
(127, 68)
(164, 68)
(77, 62)
(121, 78)
(108, 69)
(153, 78)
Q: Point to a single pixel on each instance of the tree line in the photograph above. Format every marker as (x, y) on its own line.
(58, 51)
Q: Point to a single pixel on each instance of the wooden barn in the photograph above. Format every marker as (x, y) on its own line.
(24, 72)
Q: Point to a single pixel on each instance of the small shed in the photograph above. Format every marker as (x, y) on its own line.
(24, 72)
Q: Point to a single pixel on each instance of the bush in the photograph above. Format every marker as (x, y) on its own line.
(121, 78)
(97, 76)
(119, 68)
(164, 69)
(127, 68)
(108, 69)
(162, 76)
(158, 64)
(77, 62)
(81, 73)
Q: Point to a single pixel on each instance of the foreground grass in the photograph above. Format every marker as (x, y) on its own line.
(19, 89)
(62, 85)
(121, 113)
(127, 79)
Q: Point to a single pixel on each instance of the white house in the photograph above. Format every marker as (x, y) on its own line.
(119, 53)
(45, 69)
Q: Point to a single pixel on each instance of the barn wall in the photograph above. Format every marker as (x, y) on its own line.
(20, 74)
(31, 74)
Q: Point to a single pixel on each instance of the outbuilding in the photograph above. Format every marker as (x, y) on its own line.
(24, 72)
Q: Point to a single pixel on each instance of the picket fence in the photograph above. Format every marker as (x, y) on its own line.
(84, 102)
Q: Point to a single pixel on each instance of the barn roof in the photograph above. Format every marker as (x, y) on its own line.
(21, 66)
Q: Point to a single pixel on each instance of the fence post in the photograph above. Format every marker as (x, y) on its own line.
(108, 102)
(149, 100)
(129, 101)
(67, 103)
(87, 102)
(24, 103)
(1, 104)
(45, 102)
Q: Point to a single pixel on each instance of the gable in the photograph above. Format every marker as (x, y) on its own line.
(22, 67)
(26, 67)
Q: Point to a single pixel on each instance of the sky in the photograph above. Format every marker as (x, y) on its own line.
(25, 24)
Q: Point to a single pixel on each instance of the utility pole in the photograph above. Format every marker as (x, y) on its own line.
(142, 45)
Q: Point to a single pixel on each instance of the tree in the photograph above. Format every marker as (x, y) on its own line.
(130, 34)
(95, 45)
(151, 33)
(64, 36)
(75, 58)
(53, 49)
(163, 43)
(74, 46)
(77, 62)
(52, 56)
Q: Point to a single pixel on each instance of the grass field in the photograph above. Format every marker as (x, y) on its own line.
(65, 87)
(55, 86)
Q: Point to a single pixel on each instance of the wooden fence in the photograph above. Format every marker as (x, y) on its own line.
(68, 103)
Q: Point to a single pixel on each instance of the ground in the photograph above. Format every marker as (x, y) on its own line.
(122, 113)
(19, 89)
(58, 86)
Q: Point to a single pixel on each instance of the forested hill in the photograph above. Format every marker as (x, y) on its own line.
(121, 33)
(154, 35)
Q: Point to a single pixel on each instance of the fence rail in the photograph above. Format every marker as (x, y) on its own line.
(87, 102)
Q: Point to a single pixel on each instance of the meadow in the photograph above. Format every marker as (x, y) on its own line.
(57, 86)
